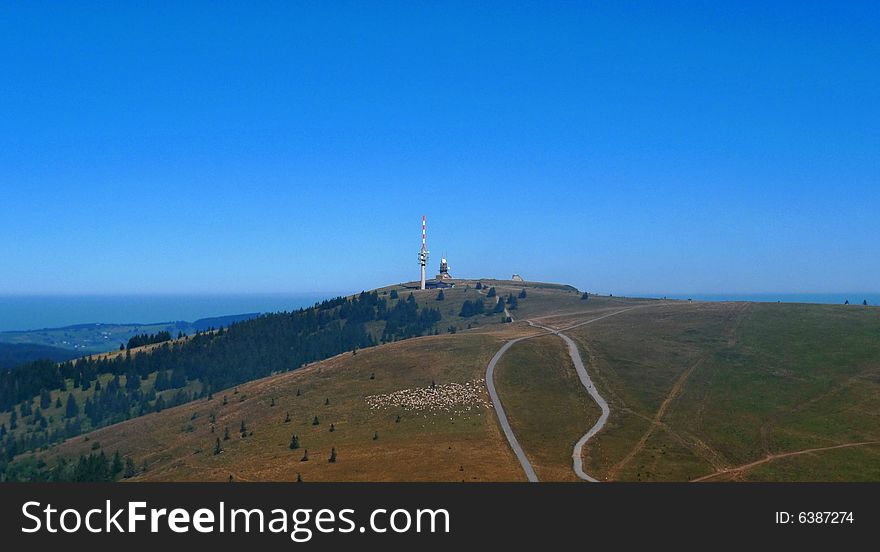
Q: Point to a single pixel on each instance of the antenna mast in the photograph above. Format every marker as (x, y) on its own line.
(423, 254)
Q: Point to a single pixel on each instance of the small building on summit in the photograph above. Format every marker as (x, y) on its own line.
(439, 284)
(444, 270)
(443, 280)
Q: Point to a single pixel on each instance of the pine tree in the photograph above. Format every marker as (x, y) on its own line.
(225, 400)
(129, 468)
(58, 402)
(287, 418)
(326, 402)
(375, 435)
(39, 420)
(161, 382)
(491, 292)
(332, 459)
(217, 448)
(243, 429)
(522, 294)
(294, 442)
(315, 421)
(117, 466)
(45, 399)
(305, 457)
(397, 421)
(393, 294)
(272, 403)
(441, 296)
(226, 434)
(72, 408)
(299, 478)
(298, 393)
(585, 296)
(332, 428)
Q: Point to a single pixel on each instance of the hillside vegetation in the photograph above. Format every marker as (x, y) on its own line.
(389, 386)
(14, 354)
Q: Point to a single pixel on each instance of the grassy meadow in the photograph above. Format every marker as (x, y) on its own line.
(697, 391)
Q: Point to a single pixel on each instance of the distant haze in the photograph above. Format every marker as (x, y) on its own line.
(873, 299)
(37, 312)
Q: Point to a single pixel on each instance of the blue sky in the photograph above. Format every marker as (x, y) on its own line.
(151, 147)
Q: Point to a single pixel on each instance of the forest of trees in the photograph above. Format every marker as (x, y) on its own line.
(472, 308)
(148, 339)
(95, 466)
(193, 369)
(406, 320)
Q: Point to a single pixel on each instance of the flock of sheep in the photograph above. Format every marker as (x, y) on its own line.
(449, 397)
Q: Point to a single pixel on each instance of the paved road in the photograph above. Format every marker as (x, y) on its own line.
(585, 380)
(502, 417)
(577, 452)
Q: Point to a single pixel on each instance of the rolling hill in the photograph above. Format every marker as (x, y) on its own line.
(87, 339)
(696, 391)
(13, 354)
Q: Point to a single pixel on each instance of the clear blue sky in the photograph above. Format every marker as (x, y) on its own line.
(269, 147)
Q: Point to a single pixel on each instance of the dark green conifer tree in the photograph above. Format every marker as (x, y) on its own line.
(72, 407)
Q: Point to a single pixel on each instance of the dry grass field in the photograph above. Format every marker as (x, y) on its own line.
(459, 443)
(697, 391)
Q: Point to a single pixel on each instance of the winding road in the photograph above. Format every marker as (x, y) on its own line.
(502, 416)
(577, 453)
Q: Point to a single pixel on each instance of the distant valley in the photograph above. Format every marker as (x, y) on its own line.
(85, 339)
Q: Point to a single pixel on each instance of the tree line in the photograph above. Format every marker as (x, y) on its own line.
(188, 370)
(148, 339)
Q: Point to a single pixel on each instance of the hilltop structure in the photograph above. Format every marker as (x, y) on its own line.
(423, 254)
(444, 270)
(442, 280)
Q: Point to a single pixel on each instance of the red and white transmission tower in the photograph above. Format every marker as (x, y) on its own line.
(423, 254)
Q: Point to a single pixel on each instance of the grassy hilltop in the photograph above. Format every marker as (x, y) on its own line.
(720, 391)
